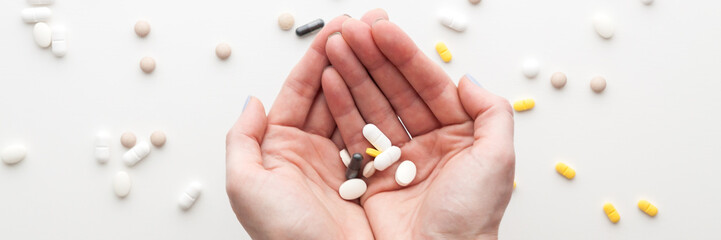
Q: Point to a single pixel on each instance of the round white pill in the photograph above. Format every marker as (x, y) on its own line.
(530, 68)
(286, 21)
(387, 158)
(147, 64)
(121, 184)
(647, 2)
(13, 154)
(223, 51)
(369, 169)
(142, 28)
(405, 173)
(137, 153)
(598, 84)
(352, 189)
(604, 25)
(158, 138)
(102, 147)
(474, 1)
(190, 195)
(558, 80)
(42, 34)
(128, 139)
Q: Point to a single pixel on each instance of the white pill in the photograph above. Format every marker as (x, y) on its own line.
(376, 137)
(40, 2)
(598, 84)
(42, 34)
(13, 154)
(647, 2)
(223, 51)
(121, 184)
(36, 14)
(147, 64)
(352, 189)
(286, 21)
(60, 46)
(405, 173)
(369, 169)
(345, 157)
(453, 20)
(191, 194)
(531, 68)
(604, 25)
(558, 80)
(137, 153)
(387, 158)
(142, 28)
(102, 147)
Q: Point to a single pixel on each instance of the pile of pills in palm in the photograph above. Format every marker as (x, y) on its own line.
(44, 35)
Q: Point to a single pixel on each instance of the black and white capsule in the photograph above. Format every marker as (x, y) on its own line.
(309, 27)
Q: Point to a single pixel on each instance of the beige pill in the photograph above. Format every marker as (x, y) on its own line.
(147, 64)
(157, 138)
(558, 80)
(369, 169)
(598, 84)
(142, 28)
(286, 21)
(128, 139)
(223, 51)
(474, 1)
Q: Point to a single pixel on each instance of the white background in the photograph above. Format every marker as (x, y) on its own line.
(653, 133)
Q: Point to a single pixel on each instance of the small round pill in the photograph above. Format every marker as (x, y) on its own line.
(157, 138)
(598, 84)
(223, 51)
(530, 68)
(286, 21)
(121, 184)
(13, 154)
(604, 25)
(128, 139)
(369, 169)
(147, 64)
(558, 80)
(142, 28)
(474, 1)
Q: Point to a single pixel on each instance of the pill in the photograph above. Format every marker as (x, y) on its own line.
(558, 80)
(286, 21)
(647, 2)
(565, 170)
(121, 184)
(142, 28)
(369, 169)
(405, 173)
(604, 25)
(387, 158)
(611, 212)
(13, 154)
(60, 45)
(147, 64)
(352, 189)
(128, 139)
(36, 14)
(514, 184)
(372, 152)
(530, 68)
(223, 51)
(524, 104)
(158, 138)
(137, 153)
(309, 27)
(40, 2)
(376, 137)
(474, 1)
(647, 207)
(442, 50)
(354, 166)
(190, 195)
(102, 147)
(598, 84)
(42, 34)
(453, 20)
(345, 157)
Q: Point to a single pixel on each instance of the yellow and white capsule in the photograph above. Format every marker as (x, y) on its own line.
(372, 152)
(565, 170)
(442, 50)
(524, 104)
(611, 212)
(647, 207)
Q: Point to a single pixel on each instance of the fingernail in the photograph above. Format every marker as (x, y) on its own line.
(246, 103)
(377, 20)
(345, 14)
(468, 75)
(333, 34)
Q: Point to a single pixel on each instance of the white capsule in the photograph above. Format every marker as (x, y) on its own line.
(376, 137)
(13, 154)
(137, 153)
(191, 194)
(40, 2)
(604, 25)
(352, 189)
(453, 20)
(405, 173)
(531, 68)
(387, 158)
(42, 34)
(121, 184)
(36, 14)
(102, 147)
(60, 47)
(345, 157)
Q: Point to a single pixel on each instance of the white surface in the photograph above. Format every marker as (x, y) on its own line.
(653, 133)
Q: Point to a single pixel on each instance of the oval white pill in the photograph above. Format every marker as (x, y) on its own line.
(137, 153)
(531, 68)
(345, 157)
(42, 34)
(147, 64)
(604, 25)
(102, 147)
(191, 194)
(223, 51)
(558, 80)
(376, 137)
(36, 14)
(13, 154)
(60, 46)
(387, 158)
(453, 20)
(40, 2)
(352, 189)
(369, 169)
(142, 28)
(121, 184)
(598, 84)
(286, 21)
(405, 173)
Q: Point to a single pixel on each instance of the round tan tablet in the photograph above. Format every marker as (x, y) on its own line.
(223, 51)
(157, 138)
(474, 1)
(147, 64)
(598, 84)
(286, 21)
(558, 80)
(142, 28)
(128, 139)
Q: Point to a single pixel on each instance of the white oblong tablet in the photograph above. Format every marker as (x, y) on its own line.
(605, 27)
(352, 189)
(387, 158)
(405, 173)
(102, 147)
(531, 68)
(36, 14)
(40, 2)
(190, 195)
(121, 184)
(60, 46)
(376, 137)
(369, 169)
(345, 157)
(137, 153)
(13, 154)
(42, 34)
(453, 20)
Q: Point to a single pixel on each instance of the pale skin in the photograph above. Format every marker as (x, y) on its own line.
(283, 169)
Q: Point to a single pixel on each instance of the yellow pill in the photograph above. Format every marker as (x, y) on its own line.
(611, 212)
(372, 152)
(647, 207)
(524, 104)
(565, 170)
(514, 184)
(442, 50)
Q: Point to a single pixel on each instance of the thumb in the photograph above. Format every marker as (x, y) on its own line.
(242, 144)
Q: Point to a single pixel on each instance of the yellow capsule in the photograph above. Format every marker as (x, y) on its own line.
(611, 212)
(442, 50)
(647, 207)
(565, 170)
(372, 152)
(524, 104)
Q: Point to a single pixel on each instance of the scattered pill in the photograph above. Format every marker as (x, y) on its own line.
(223, 51)
(372, 152)
(121, 184)
(524, 104)
(128, 139)
(558, 80)
(147, 64)
(604, 25)
(565, 170)
(531, 68)
(13, 154)
(42, 34)
(369, 169)
(309, 27)
(514, 184)
(36, 14)
(387, 158)
(474, 1)
(142, 28)
(41, 2)
(354, 166)
(137, 153)
(345, 157)
(158, 138)
(453, 20)
(405, 173)
(189, 196)
(598, 84)
(376, 137)
(60, 45)
(102, 147)
(611, 212)
(442, 50)
(647, 2)
(647, 207)
(352, 189)
(286, 21)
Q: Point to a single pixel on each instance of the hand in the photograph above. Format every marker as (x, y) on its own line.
(462, 141)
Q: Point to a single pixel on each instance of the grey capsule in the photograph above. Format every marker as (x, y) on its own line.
(354, 167)
(309, 27)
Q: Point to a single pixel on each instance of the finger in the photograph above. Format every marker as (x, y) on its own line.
(300, 88)
(427, 78)
(416, 115)
(373, 15)
(319, 121)
(242, 144)
(372, 104)
(337, 139)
